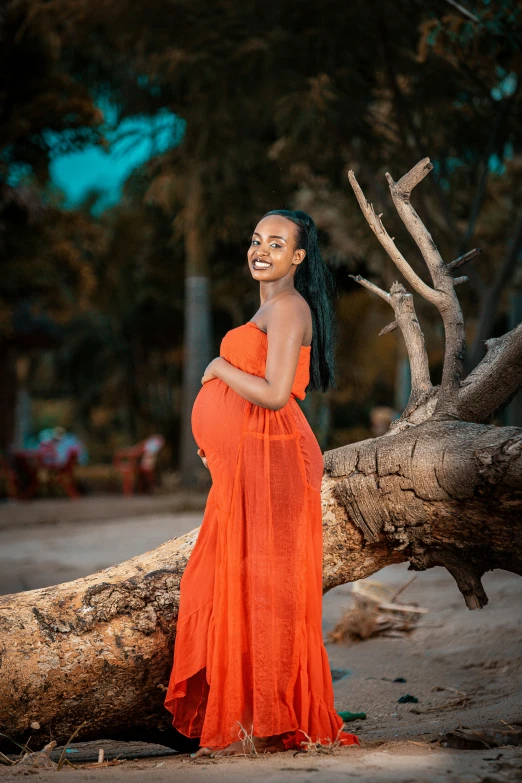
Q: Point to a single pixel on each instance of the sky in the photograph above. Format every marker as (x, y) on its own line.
(132, 142)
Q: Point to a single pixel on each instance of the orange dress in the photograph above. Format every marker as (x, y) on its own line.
(249, 649)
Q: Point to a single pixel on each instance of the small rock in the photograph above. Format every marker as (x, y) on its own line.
(40, 759)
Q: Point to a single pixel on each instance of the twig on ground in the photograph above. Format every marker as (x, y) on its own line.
(5, 759)
(249, 746)
(61, 760)
(98, 764)
(376, 612)
(317, 747)
(403, 588)
(23, 746)
(460, 702)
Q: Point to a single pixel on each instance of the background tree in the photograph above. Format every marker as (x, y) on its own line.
(277, 116)
(123, 351)
(43, 249)
(297, 104)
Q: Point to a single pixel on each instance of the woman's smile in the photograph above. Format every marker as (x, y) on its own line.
(260, 263)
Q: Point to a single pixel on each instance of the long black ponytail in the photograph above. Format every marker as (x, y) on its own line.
(316, 283)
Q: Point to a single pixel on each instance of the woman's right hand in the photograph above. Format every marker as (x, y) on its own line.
(203, 458)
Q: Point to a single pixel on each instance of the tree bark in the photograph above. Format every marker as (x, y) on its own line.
(197, 321)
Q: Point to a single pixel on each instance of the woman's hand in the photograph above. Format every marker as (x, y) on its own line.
(210, 373)
(203, 458)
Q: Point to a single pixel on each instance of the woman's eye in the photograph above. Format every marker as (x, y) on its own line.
(274, 244)
(255, 241)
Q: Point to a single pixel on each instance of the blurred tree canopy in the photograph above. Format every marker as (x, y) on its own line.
(279, 100)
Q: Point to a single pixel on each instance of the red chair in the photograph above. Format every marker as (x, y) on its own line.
(41, 466)
(63, 474)
(137, 464)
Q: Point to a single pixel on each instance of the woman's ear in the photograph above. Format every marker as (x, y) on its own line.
(299, 256)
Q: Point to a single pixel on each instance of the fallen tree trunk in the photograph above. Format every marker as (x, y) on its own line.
(99, 649)
(437, 489)
(442, 493)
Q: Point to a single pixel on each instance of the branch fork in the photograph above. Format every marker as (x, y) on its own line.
(441, 293)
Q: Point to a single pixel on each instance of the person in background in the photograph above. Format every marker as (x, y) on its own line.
(59, 443)
(381, 416)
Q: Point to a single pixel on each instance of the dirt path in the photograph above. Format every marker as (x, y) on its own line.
(45, 554)
(399, 762)
(479, 653)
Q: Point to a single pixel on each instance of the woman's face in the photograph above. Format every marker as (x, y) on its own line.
(271, 254)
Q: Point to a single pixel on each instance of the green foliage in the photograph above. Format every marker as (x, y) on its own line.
(43, 250)
(279, 100)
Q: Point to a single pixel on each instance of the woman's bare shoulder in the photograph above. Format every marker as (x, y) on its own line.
(291, 310)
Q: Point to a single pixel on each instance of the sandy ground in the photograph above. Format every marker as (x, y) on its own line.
(477, 652)
(391, 763)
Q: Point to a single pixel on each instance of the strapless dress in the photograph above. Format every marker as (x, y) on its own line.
(249, 652)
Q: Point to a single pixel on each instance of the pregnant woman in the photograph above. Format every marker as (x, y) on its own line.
(249, 656)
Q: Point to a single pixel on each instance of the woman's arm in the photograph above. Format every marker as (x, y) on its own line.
(286, 327)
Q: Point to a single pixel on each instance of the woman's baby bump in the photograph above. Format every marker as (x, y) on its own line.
(217, 422)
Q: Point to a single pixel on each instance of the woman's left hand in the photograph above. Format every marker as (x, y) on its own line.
(209, 373)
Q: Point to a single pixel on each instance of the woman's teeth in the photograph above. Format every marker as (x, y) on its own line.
(260, 264)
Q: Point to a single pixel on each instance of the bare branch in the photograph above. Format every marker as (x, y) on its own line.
(388, 244)
(391, 327)
(407, 321)
(371, 287)
(460, 280)
(495, 381)
(484, 392)
(401, 193)
(406, 318)
(464, 259)
(412, 178)
(443, 295)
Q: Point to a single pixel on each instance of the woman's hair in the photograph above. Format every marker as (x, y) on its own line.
(316, 284)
